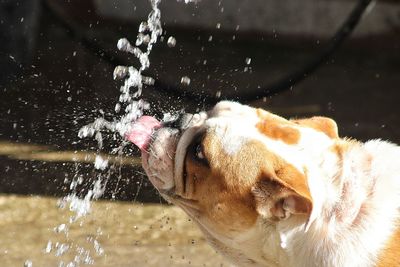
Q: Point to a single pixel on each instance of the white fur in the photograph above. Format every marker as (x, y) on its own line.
(333, 239)
(330, 239)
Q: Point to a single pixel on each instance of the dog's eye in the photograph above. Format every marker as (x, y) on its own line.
(198, 151)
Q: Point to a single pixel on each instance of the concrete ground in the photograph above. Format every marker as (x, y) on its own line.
(113, 234)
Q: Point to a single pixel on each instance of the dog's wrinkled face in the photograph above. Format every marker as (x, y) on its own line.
(235, 164)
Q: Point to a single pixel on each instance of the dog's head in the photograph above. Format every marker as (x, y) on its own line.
(234, 165)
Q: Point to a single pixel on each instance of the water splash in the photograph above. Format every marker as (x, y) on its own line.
(148, 33)
(128, 108)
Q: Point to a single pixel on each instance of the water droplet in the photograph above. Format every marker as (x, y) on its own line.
(117, 107)
(49, 247)
(28, 263)
(125, 46)
(185, 80)
(144, 61)
(120, 72)
(218, 94)
(142, 39)
(210, 38)
(283, 240)
(143, 27)
(98, 248)
(61, 249)
(100, 163)
(218, 26)
(61, 228)
(248, 60)
(171, 42)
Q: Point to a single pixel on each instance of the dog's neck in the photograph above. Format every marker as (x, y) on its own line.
(355, 208)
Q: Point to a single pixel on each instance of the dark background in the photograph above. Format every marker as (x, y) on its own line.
(52, 81)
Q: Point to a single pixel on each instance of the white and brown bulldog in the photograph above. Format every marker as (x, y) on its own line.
(267, 191)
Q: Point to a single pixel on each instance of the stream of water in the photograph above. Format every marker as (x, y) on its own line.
(128, 108)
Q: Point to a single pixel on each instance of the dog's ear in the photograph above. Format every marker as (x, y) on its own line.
(323, 124)
(282, 193)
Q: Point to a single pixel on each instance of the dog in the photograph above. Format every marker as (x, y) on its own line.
(267, 191)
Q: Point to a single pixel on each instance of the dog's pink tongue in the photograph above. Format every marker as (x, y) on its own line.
(141, 131)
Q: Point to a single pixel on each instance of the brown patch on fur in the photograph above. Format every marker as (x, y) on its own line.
(277, 128)
(389, 256)
(291, 178)
(223, 189)
(323, 124)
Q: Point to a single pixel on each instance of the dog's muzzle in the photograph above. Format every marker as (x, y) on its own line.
(158, 142)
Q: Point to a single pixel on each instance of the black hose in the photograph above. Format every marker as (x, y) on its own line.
(280, 86)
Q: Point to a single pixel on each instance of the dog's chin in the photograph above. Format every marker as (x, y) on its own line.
(157, 176)
(164, 159)
(162, 172)
(158, 160)
(166, 187)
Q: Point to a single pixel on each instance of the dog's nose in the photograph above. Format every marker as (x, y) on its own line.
(181, 122)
